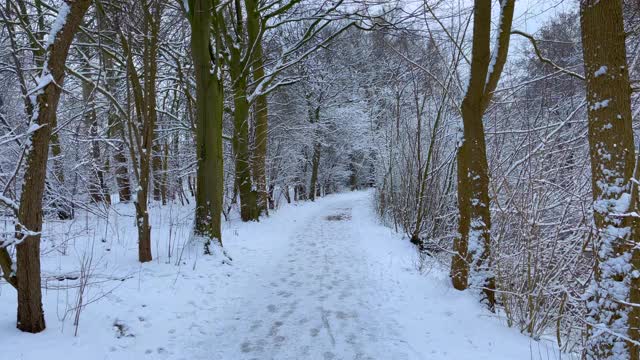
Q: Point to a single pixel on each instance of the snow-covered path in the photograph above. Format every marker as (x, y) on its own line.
(344, 287)
(313, 281)
(316, 302)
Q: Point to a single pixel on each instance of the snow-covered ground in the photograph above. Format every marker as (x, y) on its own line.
(319, 280)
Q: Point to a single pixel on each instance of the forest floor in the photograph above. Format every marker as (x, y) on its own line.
(319, 280)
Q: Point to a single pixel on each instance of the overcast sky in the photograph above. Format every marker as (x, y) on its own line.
(531, 14)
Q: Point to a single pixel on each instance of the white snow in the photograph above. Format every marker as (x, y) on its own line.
(601, 71)
(33, 128)
(42, 82)
(58, 24)
(316, 280)
(600, 104)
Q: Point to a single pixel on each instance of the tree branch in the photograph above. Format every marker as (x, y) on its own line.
(543, 59)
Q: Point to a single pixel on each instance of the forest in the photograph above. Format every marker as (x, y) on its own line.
(305, 179)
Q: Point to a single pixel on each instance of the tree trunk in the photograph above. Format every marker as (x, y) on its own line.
(141, 133)
(314, 119)
(156, 164)
(209, 110)
(248, 209)
(30, 314)
(165, 191)
(615, 197)
(470, 265)
(260, 107)
(115, 123)
(142, 219)
(315, 164)
(122, 173)
(97, 187)
(287, 195)
(152, 149)
(147, 103)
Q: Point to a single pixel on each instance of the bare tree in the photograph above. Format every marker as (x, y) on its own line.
(471, 261)
(44, 102)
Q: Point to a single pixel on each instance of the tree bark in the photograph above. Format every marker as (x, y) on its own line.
(238, 71)
(315, 164)
(248, 211)
(615, 198)
(97, 186)
(314, 119)
(260, 106)
(472, 249)
(149, 117)
(209, 112)
(152, 24)
(156, 164)
(165, 191)
(141, 133)
(115, 122)
(30, 314)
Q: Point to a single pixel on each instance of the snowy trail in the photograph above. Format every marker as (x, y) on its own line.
(313, 281)
(328, 296)
(315, 302)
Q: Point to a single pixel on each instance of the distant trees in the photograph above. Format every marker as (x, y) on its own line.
(144, 115)
(141, 127)
(144, 131)
(245, 104)
(536, 214)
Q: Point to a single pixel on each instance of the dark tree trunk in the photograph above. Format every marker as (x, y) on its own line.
(209, 114)
(615, 290)
(30, 314)
(472, 249)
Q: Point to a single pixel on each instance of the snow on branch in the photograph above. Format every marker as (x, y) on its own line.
(543, 59)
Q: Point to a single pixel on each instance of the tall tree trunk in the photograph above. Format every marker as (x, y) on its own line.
(248, 209)
(165, 191)
(97, 186)
(614, 322)
(314, 119)
(150, 76)
(152, 18)
(122, 171)
(115, 122)
(209, 111)
(248, 205)
(156, 164)
(141, 133)
(470, 265)
(260, 106)
(30, 314)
